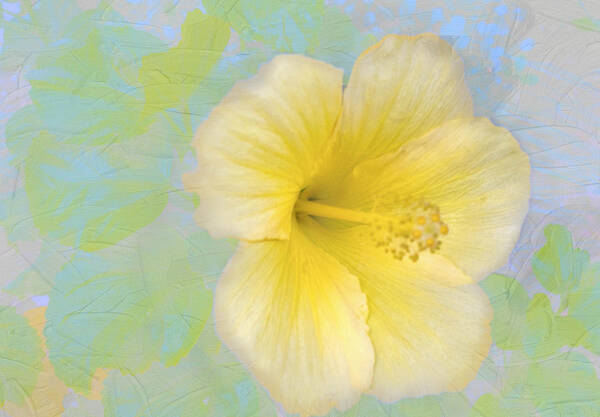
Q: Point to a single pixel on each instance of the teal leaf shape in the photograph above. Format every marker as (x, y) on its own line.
(527, 324)
(20, 357)
(338, 41)
(74, 145)
(491, 405)
(38, 279)
(510, 398)
(557, 265)
(208, 382)
(446, 404)
(170, 78)
(540, 320)
(566, 385)
(510, 302)
(563, 385)
(92, 197)
(95, 152)
(584, 305)
(89, 92)
(129, 305)
(547, 332)
(307, 27)
(219, 82)
(37, 27)
(283, 25)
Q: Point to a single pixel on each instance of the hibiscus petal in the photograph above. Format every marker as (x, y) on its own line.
(296, 318)
(428, 338)
(476, 174)
(430, 334)
(259, 147)
(399, 89)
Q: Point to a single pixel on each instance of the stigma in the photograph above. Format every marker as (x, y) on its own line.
(409, 230)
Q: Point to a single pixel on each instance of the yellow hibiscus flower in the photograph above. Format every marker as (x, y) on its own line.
(365, 216)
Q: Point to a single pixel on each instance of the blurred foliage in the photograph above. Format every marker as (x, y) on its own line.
(96, 144)
(20, 357)
(208, 382)
(133, 304)
(541, 372)
(96, 156)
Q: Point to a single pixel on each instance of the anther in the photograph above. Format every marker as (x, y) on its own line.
(413, 227)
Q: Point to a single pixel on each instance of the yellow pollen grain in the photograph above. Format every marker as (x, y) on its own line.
(415, 227)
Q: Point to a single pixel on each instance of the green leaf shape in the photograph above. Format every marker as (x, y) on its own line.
(88, 92)
(509, 301)
(510, 397)
(584, 305)
(307, 27)
(20, 357)
(283, 25)
(219, 82)
(92, 197)
(450, 403)
(129, 305)
(547, 332)
(96, 169)
(97, 162)
(564, 386)
(521, 323)
(490, 405)
(38, 279)
(586, 23)
(338, 41)
(170, 78)
(208, 382)
(446, 404)
(45, 24)
(557, 265)
(540, 321)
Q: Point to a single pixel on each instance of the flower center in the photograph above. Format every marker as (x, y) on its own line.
(415, 228)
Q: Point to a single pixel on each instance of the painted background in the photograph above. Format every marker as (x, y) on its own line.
(106, 282)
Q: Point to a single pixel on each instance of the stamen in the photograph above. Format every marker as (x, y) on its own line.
(415, 227)
(332, 212)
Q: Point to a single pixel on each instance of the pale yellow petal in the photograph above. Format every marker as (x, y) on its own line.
(477, 175)
(430, 334)
(399, 89)
(428, 338)
(261, 145)
(296, 318)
